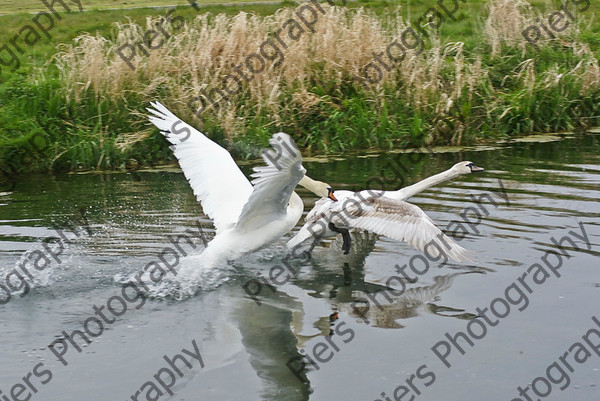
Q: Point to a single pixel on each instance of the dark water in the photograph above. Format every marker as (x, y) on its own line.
(384, 353)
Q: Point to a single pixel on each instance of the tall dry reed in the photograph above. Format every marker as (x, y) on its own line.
(443, 82)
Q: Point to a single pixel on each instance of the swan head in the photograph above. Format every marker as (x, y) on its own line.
(318, 188)
(330, 194)
(466, 167)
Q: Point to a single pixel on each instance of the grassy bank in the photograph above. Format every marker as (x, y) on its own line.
(81, 106)
(32, 6)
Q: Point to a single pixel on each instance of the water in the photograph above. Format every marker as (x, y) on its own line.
(552, 187)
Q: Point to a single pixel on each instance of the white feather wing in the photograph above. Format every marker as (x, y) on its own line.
(216, 180)
(314, 227)
(273, 184)
(398, 220)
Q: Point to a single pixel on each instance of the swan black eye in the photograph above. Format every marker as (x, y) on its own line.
(470, 164)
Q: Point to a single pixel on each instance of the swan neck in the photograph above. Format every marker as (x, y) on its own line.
(295, 208)
(316, 187)
(422, 185)
(296, 202)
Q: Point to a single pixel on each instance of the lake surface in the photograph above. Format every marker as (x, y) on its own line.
(387, 352)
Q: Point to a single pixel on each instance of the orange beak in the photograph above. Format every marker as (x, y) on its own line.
(331, 196)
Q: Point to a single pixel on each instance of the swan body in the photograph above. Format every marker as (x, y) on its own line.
(247, 216)
(384, 213)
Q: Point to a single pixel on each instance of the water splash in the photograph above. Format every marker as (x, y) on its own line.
(192, 275)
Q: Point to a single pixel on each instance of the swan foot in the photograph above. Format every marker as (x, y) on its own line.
(345, 237)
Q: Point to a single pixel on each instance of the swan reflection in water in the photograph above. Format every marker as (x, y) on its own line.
(308, 306)
(348, 296)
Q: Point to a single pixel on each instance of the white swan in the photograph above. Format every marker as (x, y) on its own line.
(460, 168)
(384, 213)
(246, 216)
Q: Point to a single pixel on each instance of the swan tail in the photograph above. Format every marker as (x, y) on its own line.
(447, 248)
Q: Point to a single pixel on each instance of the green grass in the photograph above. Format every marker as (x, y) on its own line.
(72, 136)
(32, 6)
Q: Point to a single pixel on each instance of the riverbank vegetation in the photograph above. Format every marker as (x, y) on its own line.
(79, 105)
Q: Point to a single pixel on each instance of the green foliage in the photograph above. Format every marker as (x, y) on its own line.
(40, 129)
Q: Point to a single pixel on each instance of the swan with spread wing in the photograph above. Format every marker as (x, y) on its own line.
(384, 213)
(247, 216)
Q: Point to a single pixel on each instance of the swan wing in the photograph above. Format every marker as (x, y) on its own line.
(217, 182)
(273, 183)
(401, 221)
(315, 225)
(312, 231)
